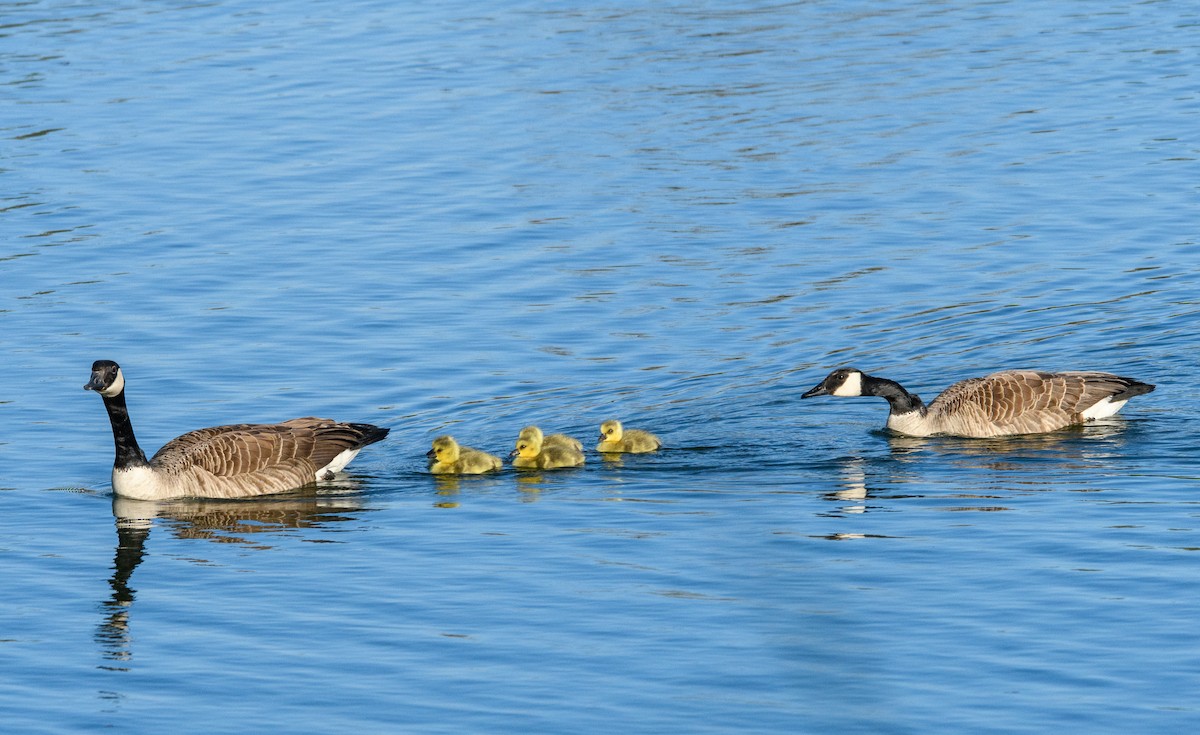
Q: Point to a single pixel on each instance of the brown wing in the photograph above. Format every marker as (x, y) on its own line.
(1023, 401)
(238, 449)
(303, 444)
(331, 438)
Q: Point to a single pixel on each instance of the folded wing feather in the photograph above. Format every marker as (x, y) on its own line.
(1023, 401)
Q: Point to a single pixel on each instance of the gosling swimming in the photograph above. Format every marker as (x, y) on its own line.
(616, 438)
(1001, 404)
(446, 457)
(533, 453)
(562, 440)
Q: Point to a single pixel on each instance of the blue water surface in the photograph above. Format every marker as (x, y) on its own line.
(464, 218)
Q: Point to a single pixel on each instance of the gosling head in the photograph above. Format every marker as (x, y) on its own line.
(107, 379)
(841, 382)
(445, 450)
(611, 431)
(531, 432)
(528, 446)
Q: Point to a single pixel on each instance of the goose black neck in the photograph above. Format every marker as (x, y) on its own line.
(129, 454)
(899, 399)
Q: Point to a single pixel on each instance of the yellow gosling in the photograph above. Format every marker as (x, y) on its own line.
(616, 438)
(554, 440)
(448, 458)
(532, 454)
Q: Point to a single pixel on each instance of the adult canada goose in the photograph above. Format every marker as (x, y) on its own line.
(235, 461)
(562, 440)
(616, 438)
(446, 457)
(1000, 404)
(532, 453)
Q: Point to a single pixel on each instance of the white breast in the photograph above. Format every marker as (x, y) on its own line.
(140, 483)
(911, 423)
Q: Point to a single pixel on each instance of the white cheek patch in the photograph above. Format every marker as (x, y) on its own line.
(117, 386)
(851, 386)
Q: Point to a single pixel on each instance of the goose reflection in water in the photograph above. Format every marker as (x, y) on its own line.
(248, 522)
(1081, 447)
(917, 467)
(852, 494)
(853, 490)
(113, 633)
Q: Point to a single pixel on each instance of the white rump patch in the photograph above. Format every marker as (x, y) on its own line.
(337, 465)
(851, 386)
(1103, 409)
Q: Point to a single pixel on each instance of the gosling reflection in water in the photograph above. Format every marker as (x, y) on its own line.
(247, 522)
